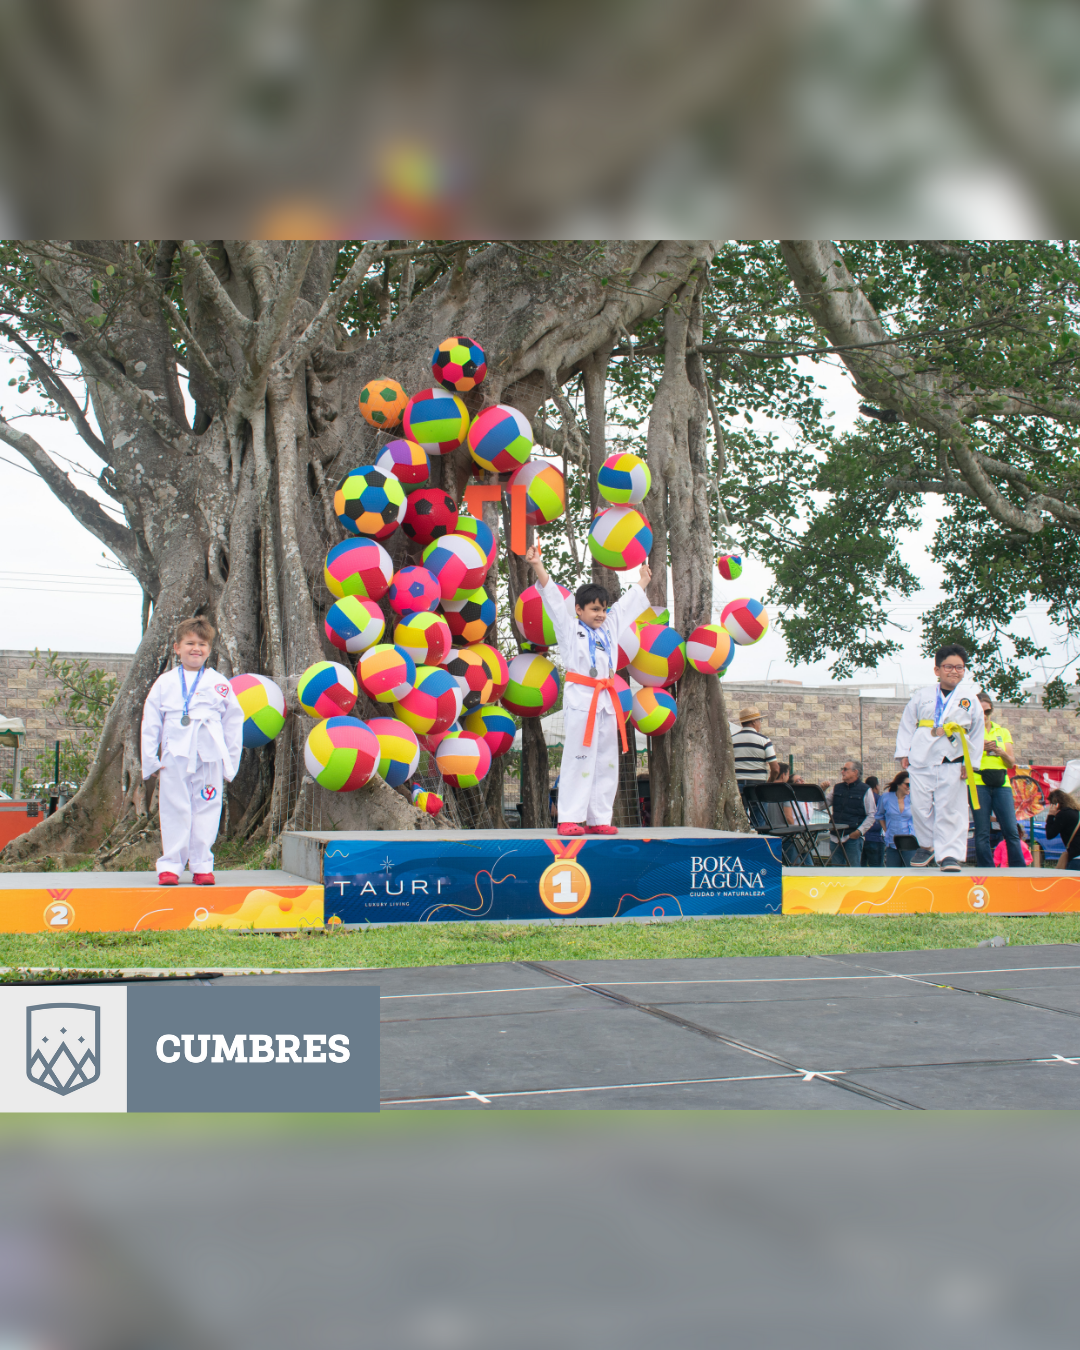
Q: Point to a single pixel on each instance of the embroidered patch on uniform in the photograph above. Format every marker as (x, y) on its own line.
(208, 793)
(222, 689)
(965, 703)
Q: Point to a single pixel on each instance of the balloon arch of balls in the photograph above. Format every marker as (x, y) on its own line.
(445, 688)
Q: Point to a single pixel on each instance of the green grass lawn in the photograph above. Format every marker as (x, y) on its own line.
(468, 943)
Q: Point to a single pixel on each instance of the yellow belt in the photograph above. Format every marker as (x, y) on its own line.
(955, 729)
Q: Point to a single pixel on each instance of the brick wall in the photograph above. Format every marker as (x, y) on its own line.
(23, 691)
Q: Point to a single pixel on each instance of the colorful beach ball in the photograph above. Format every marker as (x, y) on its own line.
(545, 491)
(370, 502)
(341, 753)
(473, 676)
(624, 694)
(533, 686)
(433, 739)
(414, 590)
(358, 567)
(327, 689)
(494, 725)
(459, 364)
(620, 537)
(386, 673)
(624, 480)
(661, 658)
(433, 702)
(654, 711)
(496, 664)
(472, 528)
(429, 515)
(382, 402)
(729, 565)
(648, 616)
(435, 419)
(500, 439)
(710, 649)
(463, 761)
(532, 620)
(429, 802)
(458, 563)
(406, 460)
(399, 750)
(469, 618)
(354, 624)
(746, 620)
(426, 637)
(629, 646)
(263, 706)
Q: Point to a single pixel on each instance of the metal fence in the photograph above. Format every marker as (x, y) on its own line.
(45, 767)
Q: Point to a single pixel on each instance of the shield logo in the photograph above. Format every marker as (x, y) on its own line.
(62, 1042)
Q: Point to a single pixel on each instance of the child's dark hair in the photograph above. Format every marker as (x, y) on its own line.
(202, 628)
(585, 595)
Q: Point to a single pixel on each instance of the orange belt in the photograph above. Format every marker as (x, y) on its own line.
(572, 677)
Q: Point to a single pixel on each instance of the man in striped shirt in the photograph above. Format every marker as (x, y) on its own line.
(755, 756)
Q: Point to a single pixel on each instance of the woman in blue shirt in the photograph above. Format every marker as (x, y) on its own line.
(894, 812)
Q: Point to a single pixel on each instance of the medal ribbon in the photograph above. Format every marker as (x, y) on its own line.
(184, 691)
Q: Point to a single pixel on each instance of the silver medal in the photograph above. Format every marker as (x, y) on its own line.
(185, 721)
(592, 672)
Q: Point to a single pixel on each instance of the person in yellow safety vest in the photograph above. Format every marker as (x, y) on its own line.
(995, 793)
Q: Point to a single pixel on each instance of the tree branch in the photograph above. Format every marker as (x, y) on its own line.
(331, 307)
(209, 286)
(59, 391)
(272, 325)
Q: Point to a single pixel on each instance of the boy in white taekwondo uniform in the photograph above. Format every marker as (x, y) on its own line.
(939, 741)
(588, 635)
(192, 733)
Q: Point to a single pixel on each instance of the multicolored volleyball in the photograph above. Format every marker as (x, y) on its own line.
(648, 616)
(429, 515)
(746, 620)
(624, 694)
(629, 646)
(545, 491)
(341, 753)
(354, 624)
(729, 565)
(500, 439)
(382, 402)
(433, 739)
(463, 761)
(263, 706)
(413, 591)
(469, 618)
(407, 461)
(494, 725)
(661, 658)
(386, 673)
(435, 419)
(370, 502)
(459, 364)
(327, 689)
(399, 750)
(620, 537)
(532, 620)
(496, 663)
(533, 686)
(472, 528)
(654, 711)
(624, 480)
(358, 567)
(433, 702)
(709, 648)
(429, 802)
(473, 676)
(426, 637)
(458, 563)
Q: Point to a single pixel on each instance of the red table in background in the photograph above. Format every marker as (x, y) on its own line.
(15, 819)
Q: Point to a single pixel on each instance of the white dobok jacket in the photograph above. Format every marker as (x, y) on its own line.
(922, 748)
(215, 732)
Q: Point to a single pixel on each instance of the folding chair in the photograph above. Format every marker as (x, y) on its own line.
(783, 794)
(809, 794)
(904, 843)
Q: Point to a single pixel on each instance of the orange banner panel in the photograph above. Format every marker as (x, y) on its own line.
(126, 909)
(931, 892)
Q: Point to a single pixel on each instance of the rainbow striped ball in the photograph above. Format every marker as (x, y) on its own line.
(327, 689)
(533, 686)
(624, 480)
(382, 402)
(729, 565)
(463, 761)
(472, 528)
(399, 750)
(433, 739)
(263, 706)
(429, 802)
(386, 673)
(496, 663)
(661, 658)
(370, 502)
(545, 491)
(426, 637)
(341, 753)
(430, 514)
(495, 726)
(406, 460)
(354, 624)
(433, 702)
(620, 537)
(358, 567)
(709, 649)
(500, 439)
(414, 590)
(469, 618)
(458, 563)
(653, 712)
(459, 364)
(532, 620)
(746, 620)
(435, 419)
(473, 676)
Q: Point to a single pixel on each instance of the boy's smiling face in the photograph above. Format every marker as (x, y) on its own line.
(593, 614)
(192, 651)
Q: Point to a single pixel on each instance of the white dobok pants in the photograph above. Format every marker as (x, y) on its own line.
(589, 777)
(939, 810)
(189, 805)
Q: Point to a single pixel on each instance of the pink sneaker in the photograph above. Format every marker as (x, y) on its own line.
(203, 878)
(568, 827)
(601, 829)
(168, 879)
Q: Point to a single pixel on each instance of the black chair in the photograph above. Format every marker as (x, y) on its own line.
(809, 794)
(783, 794)
(904, 843)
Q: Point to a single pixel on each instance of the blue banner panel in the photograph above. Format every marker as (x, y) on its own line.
(394, 881)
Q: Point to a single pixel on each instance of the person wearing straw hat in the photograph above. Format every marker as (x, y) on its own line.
(755, 755)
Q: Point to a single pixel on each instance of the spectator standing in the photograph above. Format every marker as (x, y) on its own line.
(873, 849)
(995, 793)
(1062, 819)
(755, 757)
(894, 815)
(853, 809)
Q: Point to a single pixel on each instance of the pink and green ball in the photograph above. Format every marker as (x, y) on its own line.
(263, 706)
(432, 704)
(545, 491)
(458, 563)
(624, 480)
(500, 439)
(386, 673)
(746, 620)
(463, 761)
(358, 567)
(654, 712)
(354, 624)
(620, 537)
(495, 725)
(426, 638)
(437, 420)
(709, 648)
(729, 565)
(474, 529)
(661, 658)
(341, 753)
(533, 686)
(399, 750)
(531, 619)
(327, 689)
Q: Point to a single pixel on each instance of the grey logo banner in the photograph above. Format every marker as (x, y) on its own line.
(63, 1046)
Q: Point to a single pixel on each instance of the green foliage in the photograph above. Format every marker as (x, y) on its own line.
(83, 699)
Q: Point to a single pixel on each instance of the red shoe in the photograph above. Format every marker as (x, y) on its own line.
(168, 879)
(568, 827)
(203, 878)
(601, 829)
